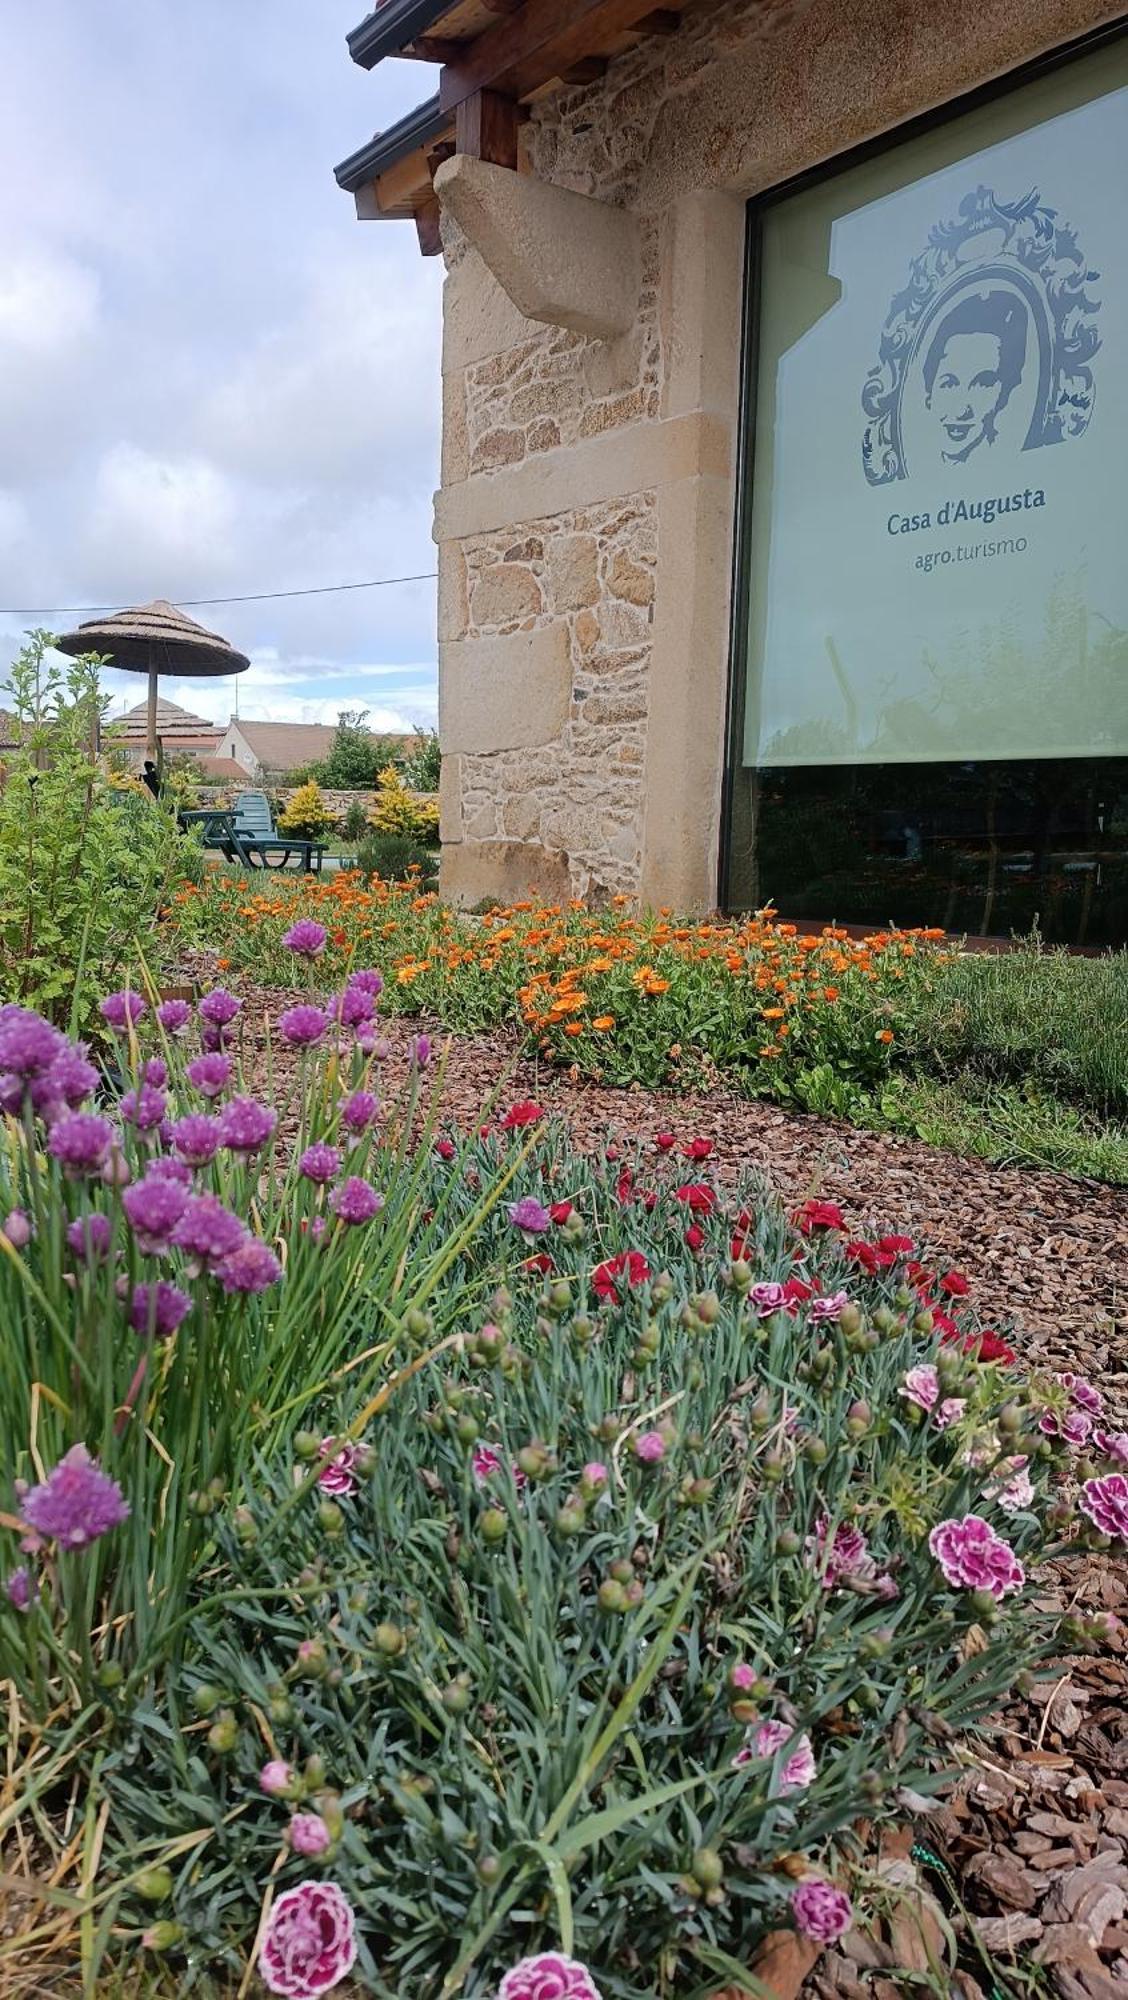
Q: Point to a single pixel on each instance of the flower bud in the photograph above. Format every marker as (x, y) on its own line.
(535, 1461)
(611, 1596)
(607, 1429)
(224, 1732)
(923, 1321)
(330, 1519)
(884, 1319)
(582, 1329)
(314, 1770)
(164, 1936)
(110, 1675)
(489, 1869)
(707, 1868)
(662, 1288)
(622, 1570)
(850, 1319)
(312, 1659)
(570, 1519)
(389, 1640)
(773, 1466)
(466, 1428)
(788, 1543)
(559, 1295)
(416, 1324)
(456, 1697)
(154, 1884)
(984, 1603)
(760, 1413)
(859, 1417)
(206, 1698)
(815, 1451)
(494, 1526)
(307, 1445)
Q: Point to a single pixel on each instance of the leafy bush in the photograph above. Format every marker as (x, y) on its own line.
(569, 1559)
(86, 862)
(306, 816)
(422, 769)
(398, 811)
(354, 825)
(396, 857)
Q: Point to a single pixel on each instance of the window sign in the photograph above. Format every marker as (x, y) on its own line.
(939, 559)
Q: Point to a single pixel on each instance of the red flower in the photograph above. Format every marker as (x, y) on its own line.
(820, 1215)
(541, 1262)
(445, 1148)
(796, 1289)
(698, 1149)
(338, 937)
(701, 1199)
(988, 1346)
(629, 1264)
(695, 1236)
(898, 1246)
(868, 1256)
(664, 1141)
(947, 1328)
(955, 1284)
(483, 1131)
(738, 1249)
(525, 1113)
(559, 1211)
(650, 1201)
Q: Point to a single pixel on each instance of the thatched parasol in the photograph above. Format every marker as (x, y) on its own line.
(156, 639)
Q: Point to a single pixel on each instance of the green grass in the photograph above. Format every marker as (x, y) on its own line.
(1006, 1123)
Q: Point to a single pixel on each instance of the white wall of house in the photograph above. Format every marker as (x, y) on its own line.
(235, 745)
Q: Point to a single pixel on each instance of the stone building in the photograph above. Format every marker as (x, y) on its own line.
(641, 211)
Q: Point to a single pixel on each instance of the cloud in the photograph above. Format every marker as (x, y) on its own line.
(213, 379)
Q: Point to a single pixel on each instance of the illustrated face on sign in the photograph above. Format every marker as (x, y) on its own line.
(973, 364)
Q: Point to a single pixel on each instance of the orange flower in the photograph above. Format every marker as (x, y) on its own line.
(604, 1022)
(830, 993)
(885, 1034)
(573, 1027)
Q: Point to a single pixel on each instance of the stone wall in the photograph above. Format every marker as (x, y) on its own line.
(585, 518)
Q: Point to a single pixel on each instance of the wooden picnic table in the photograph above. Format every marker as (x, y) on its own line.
(251, 850)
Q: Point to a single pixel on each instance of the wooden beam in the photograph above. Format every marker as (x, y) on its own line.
(428, 219)
(434, 48)
(536, 45)
(485, 126)
(588, 71)
(663, 21)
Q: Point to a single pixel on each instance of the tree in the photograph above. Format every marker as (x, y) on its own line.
(354, 759)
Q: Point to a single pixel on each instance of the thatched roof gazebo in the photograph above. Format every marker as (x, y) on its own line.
(156, 639)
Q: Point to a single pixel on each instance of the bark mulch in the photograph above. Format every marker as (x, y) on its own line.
(1033, 1840)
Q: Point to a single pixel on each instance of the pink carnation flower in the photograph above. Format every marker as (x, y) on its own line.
(829, 1308)
(650, 1447)
(1112, 1445)
(973, 1557)
(486, 1461)
(310, 1941)
(922, 1386)
(799, 1769)
(821, 1911)
(848, 1554)
(276, 1777)
(548, 1976)
(1082, 1392)
(1075, 1427)
(1105, 1501)
(338, 1471)
(1013, 1488)
(309, 1834)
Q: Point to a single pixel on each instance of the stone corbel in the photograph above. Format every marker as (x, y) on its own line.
(562, 258)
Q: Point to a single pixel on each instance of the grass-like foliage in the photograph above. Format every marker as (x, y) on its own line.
(549, 1555)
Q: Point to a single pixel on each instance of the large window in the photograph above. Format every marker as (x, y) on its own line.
(931, 673)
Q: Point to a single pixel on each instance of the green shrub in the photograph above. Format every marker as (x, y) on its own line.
(306, 816)
(354, 825)
(397, 810)
(422, 769)
(505, 1527)
(392, 856)
(87, 859)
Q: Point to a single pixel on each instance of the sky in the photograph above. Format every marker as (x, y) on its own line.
(214, 380)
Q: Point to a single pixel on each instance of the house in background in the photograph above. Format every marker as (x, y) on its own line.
(262, 747)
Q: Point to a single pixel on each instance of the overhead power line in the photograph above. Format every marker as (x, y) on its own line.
(197, 603)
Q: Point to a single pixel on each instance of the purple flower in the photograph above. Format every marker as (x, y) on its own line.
(821, 1911)
(1105, 1501)
(163, 1168)
(153, 1207)
(71, 1076)
(338, 1471)
(1082, 1392)
(357, 1201)
(276, 1778)
(122, 1010)
(90, 1237)
(250, 1268)
(320, 1162)
(1112, 1445)
(353, 1008)
(1075, 1428)
(144, 1108)
(367, 980)
(174, 1016)
(306, 938)
(419, 1049)
(207, 1231)
(768, 1298)
(219, 1007)
(81, 1141)
(209, 1074)
(650, 1447)
(829, 1308)
(196, 1138)
(155, 1070)
(529, 1215)
(799, 1769)
(19, 1589)
(245, 1125)
(76, 1503)
(303, 1025)
(158, 1309)
(360, 1111)
(28, 1044)
(16, 1228)
(309, 1834)
(548, 1976)
(847, 1556)
(973, 1557)
(309, 1943)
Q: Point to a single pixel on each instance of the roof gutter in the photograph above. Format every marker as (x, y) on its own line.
(391, 27)
(426, 122)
